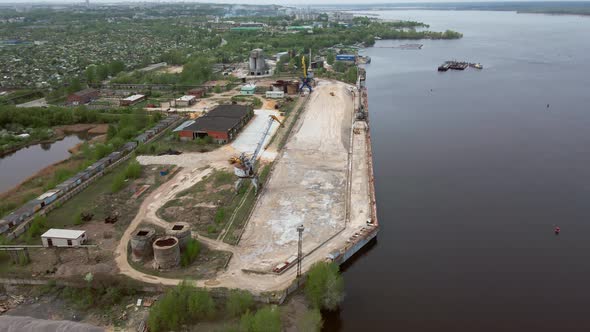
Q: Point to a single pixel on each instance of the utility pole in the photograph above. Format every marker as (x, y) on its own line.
(300, 229)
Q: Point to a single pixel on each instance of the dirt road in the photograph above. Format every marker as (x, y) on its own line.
(309, 186)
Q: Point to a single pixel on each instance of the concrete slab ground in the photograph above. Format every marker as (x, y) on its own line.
(308, 184)
(250, 136)
(34, 103)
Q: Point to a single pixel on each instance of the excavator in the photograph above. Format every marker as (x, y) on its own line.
(244, 166)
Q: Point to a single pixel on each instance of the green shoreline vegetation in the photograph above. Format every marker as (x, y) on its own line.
(124, 124)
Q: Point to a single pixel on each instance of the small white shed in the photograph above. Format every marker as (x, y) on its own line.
(63, 238)
(275, 94)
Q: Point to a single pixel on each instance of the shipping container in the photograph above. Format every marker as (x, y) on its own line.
(346, 57)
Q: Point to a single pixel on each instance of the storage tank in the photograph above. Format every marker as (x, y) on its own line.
(181, 231)
(166, 252)
(141, 244)
(257, 62)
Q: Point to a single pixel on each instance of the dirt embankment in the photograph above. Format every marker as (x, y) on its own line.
(90, 128)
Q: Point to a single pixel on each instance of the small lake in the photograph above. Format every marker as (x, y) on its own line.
(20, 165)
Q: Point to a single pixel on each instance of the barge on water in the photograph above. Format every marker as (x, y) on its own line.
(458, 65)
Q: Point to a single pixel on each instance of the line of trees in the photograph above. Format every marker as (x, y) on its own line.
(97, 73)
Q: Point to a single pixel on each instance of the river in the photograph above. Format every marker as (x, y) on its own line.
(22, 164)
(472, 170)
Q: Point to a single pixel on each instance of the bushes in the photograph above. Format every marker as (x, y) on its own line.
(191, 251)
(37, 227)
(101, 151)
(85, 298)
(118, 183)
(133, 170)
(311, 321)
(267, 319)
(238, 303)
(324, 287)
(181, 305)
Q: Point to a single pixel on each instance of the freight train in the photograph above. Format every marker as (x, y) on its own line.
(30, 208)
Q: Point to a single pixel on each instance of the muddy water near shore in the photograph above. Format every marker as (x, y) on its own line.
(473, 169)
(20, 165)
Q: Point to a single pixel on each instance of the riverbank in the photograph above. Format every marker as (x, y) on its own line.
(36, 183)
(59, 133)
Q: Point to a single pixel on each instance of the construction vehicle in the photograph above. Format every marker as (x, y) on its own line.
(244, 166)
(307, 76)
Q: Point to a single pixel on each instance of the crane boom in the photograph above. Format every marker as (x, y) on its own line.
(244, 168)
(303, 66)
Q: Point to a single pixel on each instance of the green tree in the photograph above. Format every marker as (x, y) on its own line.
(102, 72)
(116, 67)
(330, 58)
(324, 287)
(133, 170)
(111, 132)
(197, 71)
(191, 252)
(179, 306)
(311, 321)
(91, 75)
(238, 302)
(339, 66)
(267, 319)
(36, 228)
(74, 86)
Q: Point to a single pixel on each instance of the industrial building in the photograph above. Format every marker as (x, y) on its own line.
(132, 100)
(248, 89)
(82, 97)
(198, 92)
(257, 63)
(222, 124)
(186, 101)
(63, 238)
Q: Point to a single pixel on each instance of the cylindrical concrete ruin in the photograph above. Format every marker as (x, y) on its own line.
(166, 252)
(181, 231)
(141, 244)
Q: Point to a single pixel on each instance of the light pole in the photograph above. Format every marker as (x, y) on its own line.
(300, 229)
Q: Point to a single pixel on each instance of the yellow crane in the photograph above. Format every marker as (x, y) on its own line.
(305, 80)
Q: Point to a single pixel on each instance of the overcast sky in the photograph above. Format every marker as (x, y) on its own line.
(277, 2)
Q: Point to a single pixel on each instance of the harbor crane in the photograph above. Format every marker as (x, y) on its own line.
(244, 166)
(307, 76)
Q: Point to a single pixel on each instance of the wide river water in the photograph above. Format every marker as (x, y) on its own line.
(24, 163)
(473, 169)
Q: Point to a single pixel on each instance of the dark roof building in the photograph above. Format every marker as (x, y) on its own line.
(222, 124)
(83, 96)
